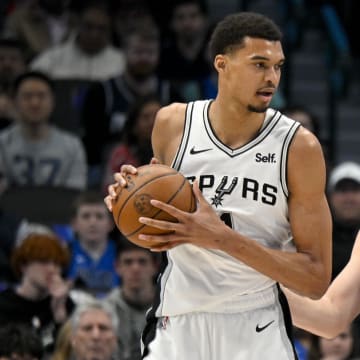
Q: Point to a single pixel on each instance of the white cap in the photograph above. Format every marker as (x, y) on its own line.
(346, 170)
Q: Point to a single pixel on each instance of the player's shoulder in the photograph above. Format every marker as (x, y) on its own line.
(171, 115)
(171, 110)
(305, 143)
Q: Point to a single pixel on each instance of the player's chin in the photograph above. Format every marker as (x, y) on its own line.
(258, 108)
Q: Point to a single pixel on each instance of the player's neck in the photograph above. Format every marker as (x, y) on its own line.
(233, 126)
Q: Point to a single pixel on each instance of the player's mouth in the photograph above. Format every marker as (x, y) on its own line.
(265, 95)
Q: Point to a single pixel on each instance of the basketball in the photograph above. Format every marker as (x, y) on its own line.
(155, 181)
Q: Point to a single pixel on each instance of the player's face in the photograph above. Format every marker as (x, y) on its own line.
(34, 101)
(136, 268)
(92, 223)
(251, 74)
(94, 338)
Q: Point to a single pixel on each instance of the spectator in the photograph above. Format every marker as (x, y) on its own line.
(39, 24)
(8, 113)
(93, 253)
(304, 117)
(62, 350)
(107, 103)
(94, 326)
(309, 121)
(34, 152)
(88, 54)
(345, 346)
(19, 341)
(41, 300)
(129, 15)
(344, 201)
(135, 145)
(12, 63)
(184, 54)
(137, 267)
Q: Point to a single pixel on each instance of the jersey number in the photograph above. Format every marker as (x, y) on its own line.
(226, 218)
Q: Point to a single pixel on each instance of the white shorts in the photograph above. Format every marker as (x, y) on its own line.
(252, 335)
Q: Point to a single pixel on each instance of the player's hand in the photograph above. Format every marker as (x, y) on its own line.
(120, 182)
(203, 227)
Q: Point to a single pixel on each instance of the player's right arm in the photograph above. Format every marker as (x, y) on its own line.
(332, 313)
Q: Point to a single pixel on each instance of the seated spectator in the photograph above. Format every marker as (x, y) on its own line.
(93, 253)
(345, 346)
(39, 24)
(309, 121)
(344, 201)
(88, 54)
(32, 150)
(18, 341)
(184, 55)
(137, 267)
(41, 300)
(135, 145)
(12, 63)
(8, 113)
(94, 326)
(107, 103)
(62, 350)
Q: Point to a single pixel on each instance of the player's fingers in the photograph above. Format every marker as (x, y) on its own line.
(108, 202)
(172, 210)
(128, 169)
(198, 194)
(154, 160)
(160, 224)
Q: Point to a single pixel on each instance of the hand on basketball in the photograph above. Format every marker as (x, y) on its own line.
(202, 228)
(120, 181)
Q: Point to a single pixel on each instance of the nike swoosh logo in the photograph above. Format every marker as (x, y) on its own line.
(193, 151)
(261, 328)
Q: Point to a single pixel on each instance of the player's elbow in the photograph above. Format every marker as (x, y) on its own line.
(334, 329)
(320, 285)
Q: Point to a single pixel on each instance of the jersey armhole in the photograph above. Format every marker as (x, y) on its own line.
(185, 137)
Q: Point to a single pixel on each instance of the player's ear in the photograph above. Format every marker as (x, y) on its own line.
(219, 63)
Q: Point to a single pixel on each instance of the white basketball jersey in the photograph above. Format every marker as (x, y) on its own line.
(247, 188)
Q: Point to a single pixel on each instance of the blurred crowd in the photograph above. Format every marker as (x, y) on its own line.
(80, 85)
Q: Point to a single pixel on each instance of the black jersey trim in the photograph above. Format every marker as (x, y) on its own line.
(285, 155)
(149, 332)
(264, 132)
(176, 164)
(287, 318)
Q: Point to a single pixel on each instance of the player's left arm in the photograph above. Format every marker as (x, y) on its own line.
(308, 270)
(309, 213)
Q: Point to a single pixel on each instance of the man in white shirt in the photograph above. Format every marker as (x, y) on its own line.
(88, 54)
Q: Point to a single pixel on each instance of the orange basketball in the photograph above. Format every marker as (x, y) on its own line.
(153, 181)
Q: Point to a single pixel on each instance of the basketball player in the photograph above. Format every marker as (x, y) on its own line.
(259, 180)
(331, 314)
